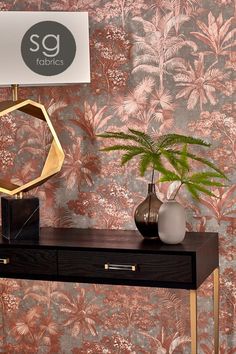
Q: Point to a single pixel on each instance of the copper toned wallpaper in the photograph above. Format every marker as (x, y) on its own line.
(157, 65)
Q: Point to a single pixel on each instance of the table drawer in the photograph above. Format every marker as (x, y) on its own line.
(125, 266)
(27, 261)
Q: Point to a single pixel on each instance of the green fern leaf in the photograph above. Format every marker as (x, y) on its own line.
(184, 159)
(203, 190)
(198, 177)
(124, 136)
(145, 161)
(124, 148)
(158, 164)
(129, 155)
(203, 178)
(204, 161)
(174, 139)
(212, 183)
(170, 177)
(145, 138)
(172, 159)
(192, 191)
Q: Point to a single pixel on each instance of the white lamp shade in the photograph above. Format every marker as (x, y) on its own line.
(44, 48)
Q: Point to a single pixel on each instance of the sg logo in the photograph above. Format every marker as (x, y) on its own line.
(48, 48)
(48, 51)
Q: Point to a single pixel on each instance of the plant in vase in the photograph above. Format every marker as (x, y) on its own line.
(155, 154)
(172, 223)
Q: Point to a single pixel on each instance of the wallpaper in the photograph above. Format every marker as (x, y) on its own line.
(160, 66)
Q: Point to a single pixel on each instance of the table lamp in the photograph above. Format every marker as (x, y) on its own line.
(42, 48)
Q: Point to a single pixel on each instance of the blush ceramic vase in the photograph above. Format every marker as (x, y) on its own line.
(172, 222)
(146, 214)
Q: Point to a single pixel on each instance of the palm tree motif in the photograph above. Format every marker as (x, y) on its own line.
(57, 217)
(82, 315)
(220, 126)
(217, 35)
(199, 84)
(187, 7)
(122, 8)
(127, 312)
(34, 140)
(156, 52)
(222, 208)
(32, 331)
(92, 119)
(42, 292)
(162, 103)
(79, 167)
(167, 344)
(143, 104)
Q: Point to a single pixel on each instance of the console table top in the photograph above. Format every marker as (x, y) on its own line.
(99, 239)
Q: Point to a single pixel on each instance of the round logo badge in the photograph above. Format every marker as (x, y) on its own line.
(48, 48)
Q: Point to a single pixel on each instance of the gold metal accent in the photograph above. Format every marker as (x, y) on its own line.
(131, 267)
(14, 92)
(55, 156)
(216, 275)
(4, 260)
(193, 320)
(19, 195)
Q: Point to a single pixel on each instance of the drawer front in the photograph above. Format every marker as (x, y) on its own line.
(26, 261)
(126, 266)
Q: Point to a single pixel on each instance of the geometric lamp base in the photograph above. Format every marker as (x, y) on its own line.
(20, 219)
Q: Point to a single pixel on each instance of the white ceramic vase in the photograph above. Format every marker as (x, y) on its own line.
(171, 222)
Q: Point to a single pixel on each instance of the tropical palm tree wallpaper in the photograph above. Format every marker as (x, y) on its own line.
(160, 66)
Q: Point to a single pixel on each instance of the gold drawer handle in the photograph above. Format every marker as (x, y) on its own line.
(4, 260)
(131, 267)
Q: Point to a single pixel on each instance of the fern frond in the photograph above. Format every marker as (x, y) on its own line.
(192, 191)
(119, 135)
(203, 178)
(212, 183)
(158, 164)
(140, 140)
(170, 177)
(198, 177)
(174, 139)
(144, 137)
(184, 160)
(202, 189)
(145, 161)
(129, 155)
(124, 148)
(204, 161)
(179, 165)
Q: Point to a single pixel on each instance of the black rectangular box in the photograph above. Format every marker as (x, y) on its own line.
(20, 219)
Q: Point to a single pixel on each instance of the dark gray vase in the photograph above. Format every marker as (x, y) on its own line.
(146, 214)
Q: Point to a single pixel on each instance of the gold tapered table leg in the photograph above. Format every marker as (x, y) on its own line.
(193, 320)
(216, 309)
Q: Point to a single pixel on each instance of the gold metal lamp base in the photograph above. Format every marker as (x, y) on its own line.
(55, 156)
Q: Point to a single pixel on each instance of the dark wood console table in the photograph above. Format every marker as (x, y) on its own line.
(118, 257)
